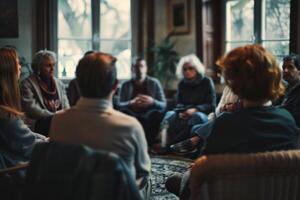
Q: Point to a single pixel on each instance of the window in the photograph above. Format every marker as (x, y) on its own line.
(266, 22)
(85, 25)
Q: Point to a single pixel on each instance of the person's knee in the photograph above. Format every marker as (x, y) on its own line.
(169, 116)
(198, 118)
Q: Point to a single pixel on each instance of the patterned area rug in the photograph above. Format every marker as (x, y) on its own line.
(162, 168)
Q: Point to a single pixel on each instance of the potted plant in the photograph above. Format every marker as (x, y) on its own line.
(165, 62)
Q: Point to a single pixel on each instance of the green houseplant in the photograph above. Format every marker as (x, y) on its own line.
(165, 62)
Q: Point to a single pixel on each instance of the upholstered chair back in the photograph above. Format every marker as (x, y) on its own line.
(257, 176)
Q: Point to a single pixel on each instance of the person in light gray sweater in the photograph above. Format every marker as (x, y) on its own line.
(95, 123)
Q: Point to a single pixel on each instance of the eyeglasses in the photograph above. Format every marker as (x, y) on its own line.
(188, 69)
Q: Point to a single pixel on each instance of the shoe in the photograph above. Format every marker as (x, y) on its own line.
(158, 150)
(173, 183)
(184, 147)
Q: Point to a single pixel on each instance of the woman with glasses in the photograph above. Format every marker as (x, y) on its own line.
(195, 99)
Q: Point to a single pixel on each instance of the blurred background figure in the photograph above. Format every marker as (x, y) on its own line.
(143, 97)
(195, 99)
(42, 94)
(73, 91)
(291, 74)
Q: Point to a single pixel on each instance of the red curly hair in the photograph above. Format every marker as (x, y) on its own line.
(252, 73)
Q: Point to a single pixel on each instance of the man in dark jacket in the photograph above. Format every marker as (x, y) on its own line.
(143, 97)
(291, 74)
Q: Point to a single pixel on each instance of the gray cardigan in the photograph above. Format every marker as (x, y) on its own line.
(153, 87)
(32, 99)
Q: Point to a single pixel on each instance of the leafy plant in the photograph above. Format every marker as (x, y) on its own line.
(166, 59)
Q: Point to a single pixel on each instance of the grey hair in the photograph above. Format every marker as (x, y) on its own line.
(39, 57)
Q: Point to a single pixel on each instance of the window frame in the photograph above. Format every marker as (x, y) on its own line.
(95, 29)
(258, 26)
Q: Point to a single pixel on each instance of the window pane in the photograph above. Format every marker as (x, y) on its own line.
(230, 45)
(74, 18)
(277, 20)
(75, 33)
(239, 19)
(122, 50)
(115, 19)
(278, 48)
(124, 64)
(114, 46)
(70, 51)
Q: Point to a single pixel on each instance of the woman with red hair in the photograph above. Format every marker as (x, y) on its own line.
(251, 72)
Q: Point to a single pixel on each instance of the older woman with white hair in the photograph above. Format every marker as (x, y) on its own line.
(195, 99)
(42, 94)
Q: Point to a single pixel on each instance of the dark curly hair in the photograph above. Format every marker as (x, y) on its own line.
(295, 58)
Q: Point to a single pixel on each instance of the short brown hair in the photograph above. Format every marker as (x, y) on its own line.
(96, 75)
(252, 73)
(9, 87)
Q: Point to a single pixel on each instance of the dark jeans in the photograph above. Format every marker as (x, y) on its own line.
(150, 121)
(180, 129)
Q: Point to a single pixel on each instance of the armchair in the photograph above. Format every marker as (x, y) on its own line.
(256, 176)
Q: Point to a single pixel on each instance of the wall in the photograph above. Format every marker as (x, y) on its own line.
(25, 41)
(185, 44)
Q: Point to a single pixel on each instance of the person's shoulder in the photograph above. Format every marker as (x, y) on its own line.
(281, 111)
(153, 79)
(57, 80)
(29, 79)
(206, 79)
(126, 121)
(126, 83)
(296, 90)
(73, 81)
(124, 117)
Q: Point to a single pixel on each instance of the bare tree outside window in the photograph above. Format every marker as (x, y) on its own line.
(275, 24)
(75, 34)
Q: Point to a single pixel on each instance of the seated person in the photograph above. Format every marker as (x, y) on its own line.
(43, 94)
(195, 99)
(254, 76)
(94, 122)
(143, 98)
(228, 102)
(291, 74)
(16, 139)
(73, 91)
